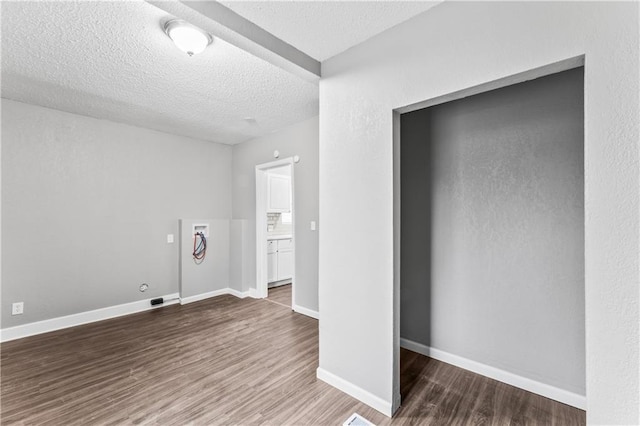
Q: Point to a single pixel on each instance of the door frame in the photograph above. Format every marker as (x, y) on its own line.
(262, 290)
(568, 398)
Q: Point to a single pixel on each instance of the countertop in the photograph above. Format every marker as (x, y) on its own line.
(278, 237)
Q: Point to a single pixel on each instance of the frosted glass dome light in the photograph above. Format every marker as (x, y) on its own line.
(189, 39)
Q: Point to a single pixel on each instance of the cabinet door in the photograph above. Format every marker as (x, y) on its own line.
(272, 267)
(279, 194)
(285, 265)
(286, 244)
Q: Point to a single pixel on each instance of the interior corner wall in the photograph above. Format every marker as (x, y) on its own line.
(492, 255)
(454, 46)
(87, 205)
(299, 139)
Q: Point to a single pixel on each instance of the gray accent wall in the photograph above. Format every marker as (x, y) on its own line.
(87, 205)
(492, 229)
(299, 139)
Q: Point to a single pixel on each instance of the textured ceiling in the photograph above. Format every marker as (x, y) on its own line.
(112, 60)
(323, 29)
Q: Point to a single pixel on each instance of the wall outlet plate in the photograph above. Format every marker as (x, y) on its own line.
(17, 308)
(169, 238)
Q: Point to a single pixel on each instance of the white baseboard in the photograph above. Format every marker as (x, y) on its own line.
(548, 391)
(355, 391)
(67, 321)
(237, 293)
(59, 323)
(304, 311)
(254, 293)
(207, 295)
(202, 296)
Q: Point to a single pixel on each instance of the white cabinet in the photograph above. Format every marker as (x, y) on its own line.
(279, 260)
(272, 267)
(278, 193)
(285, 265)
(285, 244)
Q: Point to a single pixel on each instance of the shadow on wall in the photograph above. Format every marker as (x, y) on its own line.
(415, 260)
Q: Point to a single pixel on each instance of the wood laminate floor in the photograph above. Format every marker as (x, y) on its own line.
(281, 295)
(231, 361)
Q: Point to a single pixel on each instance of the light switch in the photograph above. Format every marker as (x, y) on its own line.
(169, 238)
(313, 225)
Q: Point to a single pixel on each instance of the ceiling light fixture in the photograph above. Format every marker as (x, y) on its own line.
(190, 39)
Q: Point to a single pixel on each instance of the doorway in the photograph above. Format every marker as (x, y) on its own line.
(275, 232)
(489, 219)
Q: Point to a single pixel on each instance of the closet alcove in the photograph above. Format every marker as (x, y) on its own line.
(492, 230)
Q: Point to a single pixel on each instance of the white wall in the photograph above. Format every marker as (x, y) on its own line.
(300, 139)
(449, 48)
(87, 205)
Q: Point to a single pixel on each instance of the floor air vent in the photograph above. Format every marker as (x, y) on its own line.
(357, 420)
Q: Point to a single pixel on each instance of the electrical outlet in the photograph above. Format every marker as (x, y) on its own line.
(17, 308)
(169, 238)
(313, 225)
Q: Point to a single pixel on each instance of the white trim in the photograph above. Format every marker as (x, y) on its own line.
(566, 397)
(40, 327)
(261, 290)
(306, 311)
(45, 326)
(532, 74)
(215, 293)
(238, 294)
(397, 226)
(293, 232)
(202, 296)
(548, 391)
(355, 391)
(254, 293)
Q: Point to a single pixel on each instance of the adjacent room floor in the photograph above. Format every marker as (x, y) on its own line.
(280, 295)
(231, 361)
